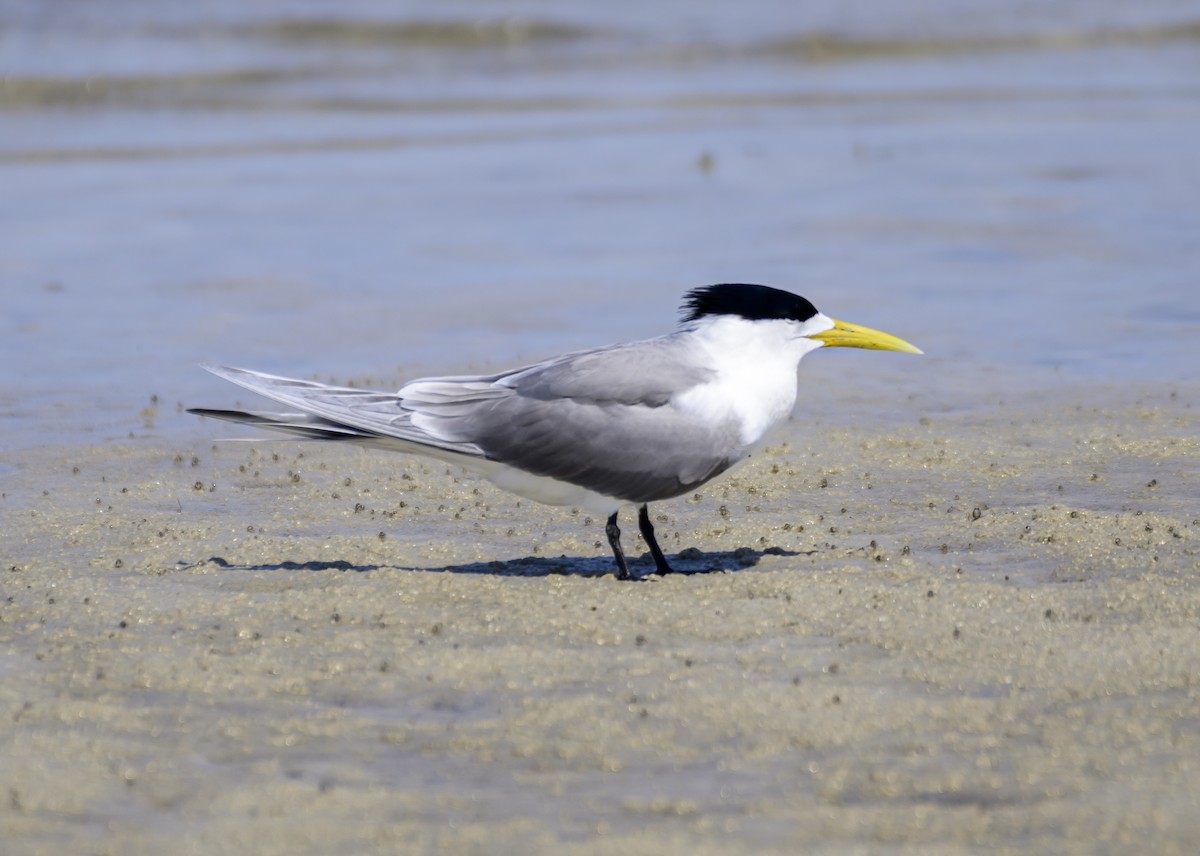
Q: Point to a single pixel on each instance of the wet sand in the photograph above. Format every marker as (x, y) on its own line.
(925, 633)
(956, 611)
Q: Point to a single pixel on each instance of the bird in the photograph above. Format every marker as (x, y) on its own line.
(601, 429)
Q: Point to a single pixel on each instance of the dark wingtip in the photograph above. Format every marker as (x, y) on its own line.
(230, 415)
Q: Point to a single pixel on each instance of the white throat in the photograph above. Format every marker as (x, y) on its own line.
(755, 370)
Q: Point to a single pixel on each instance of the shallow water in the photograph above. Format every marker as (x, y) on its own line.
(303, 191)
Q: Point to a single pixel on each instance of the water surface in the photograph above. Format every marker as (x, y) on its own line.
(372, 194)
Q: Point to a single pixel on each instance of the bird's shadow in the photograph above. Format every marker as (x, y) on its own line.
(688, 562)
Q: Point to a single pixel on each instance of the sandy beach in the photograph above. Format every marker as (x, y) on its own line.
(952, 607)
(973, 631)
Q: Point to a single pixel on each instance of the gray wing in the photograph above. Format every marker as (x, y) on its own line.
(340, 413)
(602, 419)
(641, 373)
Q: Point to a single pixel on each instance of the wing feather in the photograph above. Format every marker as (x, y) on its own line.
(604, 420)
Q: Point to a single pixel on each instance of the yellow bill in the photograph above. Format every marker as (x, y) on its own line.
(845, 335)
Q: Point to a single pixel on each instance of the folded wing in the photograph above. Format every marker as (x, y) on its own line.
(603, 420)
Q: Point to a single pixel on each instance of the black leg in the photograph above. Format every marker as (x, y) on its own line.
(660, 561)
(614, 541)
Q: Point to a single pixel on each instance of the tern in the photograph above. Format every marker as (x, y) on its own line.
(602, 429)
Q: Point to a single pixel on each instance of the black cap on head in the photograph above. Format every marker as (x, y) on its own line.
(752, 302)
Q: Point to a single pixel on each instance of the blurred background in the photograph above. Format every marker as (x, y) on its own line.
(373, 190)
